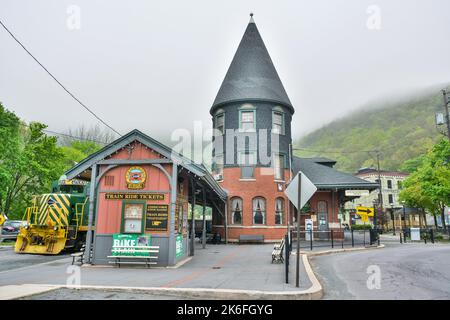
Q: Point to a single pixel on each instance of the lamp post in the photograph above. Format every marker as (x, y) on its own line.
(393, 218)
(375, 213)
(404, 215)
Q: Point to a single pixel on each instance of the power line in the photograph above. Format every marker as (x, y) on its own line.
(324, 151)
(57, 81)
(74, 137)
(69, 135)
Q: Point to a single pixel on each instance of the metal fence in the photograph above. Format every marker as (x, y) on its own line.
(311, 239)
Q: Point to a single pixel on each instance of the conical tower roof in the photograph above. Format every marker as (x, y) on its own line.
(252, 75)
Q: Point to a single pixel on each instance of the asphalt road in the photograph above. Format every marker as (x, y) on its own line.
(408, 271)
(10, 260)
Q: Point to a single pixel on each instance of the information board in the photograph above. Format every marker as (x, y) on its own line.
(157, 217)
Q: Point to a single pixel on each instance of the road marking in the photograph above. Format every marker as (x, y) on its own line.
(34, 265)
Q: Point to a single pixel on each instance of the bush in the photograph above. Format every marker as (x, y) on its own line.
(361, 226)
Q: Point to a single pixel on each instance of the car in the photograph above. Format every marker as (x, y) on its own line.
(11, 227)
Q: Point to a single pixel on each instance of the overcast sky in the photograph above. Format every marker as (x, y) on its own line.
(157, 65)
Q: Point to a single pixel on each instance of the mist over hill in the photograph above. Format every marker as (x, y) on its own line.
(400, 128)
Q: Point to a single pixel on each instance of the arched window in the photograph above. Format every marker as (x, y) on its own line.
(236, 211)
(259, 210)
(322, 207)
(279, 210)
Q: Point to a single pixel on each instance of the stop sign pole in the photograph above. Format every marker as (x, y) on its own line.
(297, 268)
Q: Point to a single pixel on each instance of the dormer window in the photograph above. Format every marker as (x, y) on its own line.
(277, 122)
(220, 122)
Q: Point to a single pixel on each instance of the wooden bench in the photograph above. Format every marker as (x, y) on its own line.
(79, 256)
(143, 254)
(277, 253)
(251, 238)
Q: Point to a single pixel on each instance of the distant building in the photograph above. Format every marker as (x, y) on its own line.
(390, 187)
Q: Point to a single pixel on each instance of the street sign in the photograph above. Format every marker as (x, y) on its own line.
(307, 190)
(365, 218)
(357, 193)
(365, 211)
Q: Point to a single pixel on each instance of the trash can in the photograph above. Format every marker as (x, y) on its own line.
(373, 236)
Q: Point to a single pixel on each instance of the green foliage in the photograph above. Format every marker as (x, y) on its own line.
(400, 131)
(77, 151)
(361, 226)
(29, 162)
(429, 185)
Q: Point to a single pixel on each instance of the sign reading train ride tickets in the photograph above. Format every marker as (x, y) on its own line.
(123, 244)
(157, 217)
(179, 246)
(134, 196)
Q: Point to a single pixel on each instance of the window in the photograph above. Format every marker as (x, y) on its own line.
(217, 165)
(259, 211)
(277, 122)
(322, 207)
(247, 120)
(236, 211)
(279, 210)
(220, 122)
(389, 184)
(278, 167)
(399, 185)
(391, 198)
(247, 162)
(132, 217)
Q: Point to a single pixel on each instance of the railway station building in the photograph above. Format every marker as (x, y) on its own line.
(140, 186)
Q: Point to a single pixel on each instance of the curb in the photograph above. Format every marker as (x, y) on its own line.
(320, 253)
(312, 293)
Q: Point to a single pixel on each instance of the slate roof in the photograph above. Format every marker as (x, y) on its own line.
(252, 75)
(136, 135)
(325, 177)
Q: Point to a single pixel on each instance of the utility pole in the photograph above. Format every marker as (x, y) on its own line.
(447, 117)
(380, 194)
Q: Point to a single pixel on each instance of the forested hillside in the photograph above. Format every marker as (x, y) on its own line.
(401, 131)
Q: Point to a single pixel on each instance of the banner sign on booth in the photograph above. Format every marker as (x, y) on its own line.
(134, 196)
(123, 244)
(179, 246)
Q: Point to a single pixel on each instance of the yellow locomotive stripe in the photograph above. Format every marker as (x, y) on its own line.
(65, 199)
(60, 213)
(54, 216)
(60, 208)
(43, 210)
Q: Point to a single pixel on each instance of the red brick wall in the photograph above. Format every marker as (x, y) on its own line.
(263, 186)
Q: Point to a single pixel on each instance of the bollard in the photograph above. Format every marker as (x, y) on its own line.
(353, 241)
(332, 239)
(401, 237)
(286, 255)
(311, 239)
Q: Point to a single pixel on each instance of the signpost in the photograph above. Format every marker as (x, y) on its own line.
(299, 191)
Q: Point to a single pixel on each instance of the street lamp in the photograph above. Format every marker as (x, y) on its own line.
(404, 215)
(375, 213)
(393, 218)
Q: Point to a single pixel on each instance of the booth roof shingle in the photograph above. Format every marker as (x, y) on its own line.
(252, 75)
(325, 177)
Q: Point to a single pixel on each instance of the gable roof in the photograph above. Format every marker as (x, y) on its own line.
(325, 177)
(252, 75)
(136, 135)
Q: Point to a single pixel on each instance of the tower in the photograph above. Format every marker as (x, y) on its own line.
(252, 120)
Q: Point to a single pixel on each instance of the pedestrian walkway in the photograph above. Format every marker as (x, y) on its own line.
(218, 267)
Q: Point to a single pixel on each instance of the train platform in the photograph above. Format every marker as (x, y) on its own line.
(219, 271)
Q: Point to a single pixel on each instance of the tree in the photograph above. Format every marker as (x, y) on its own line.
(429, 186)
(29, 162)
(77, 151)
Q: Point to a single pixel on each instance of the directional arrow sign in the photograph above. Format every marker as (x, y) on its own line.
(307, 190)
(365, 211)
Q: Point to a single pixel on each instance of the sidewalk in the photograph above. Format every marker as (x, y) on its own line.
(223, 271)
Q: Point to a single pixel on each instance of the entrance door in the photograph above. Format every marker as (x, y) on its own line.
(322, 217)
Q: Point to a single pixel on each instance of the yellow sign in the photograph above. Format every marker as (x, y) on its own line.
(365, 218)
(2, 219)
(364, 211)
(136, 177)
(134, 196)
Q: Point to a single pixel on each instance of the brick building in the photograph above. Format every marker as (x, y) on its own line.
(253, 159)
